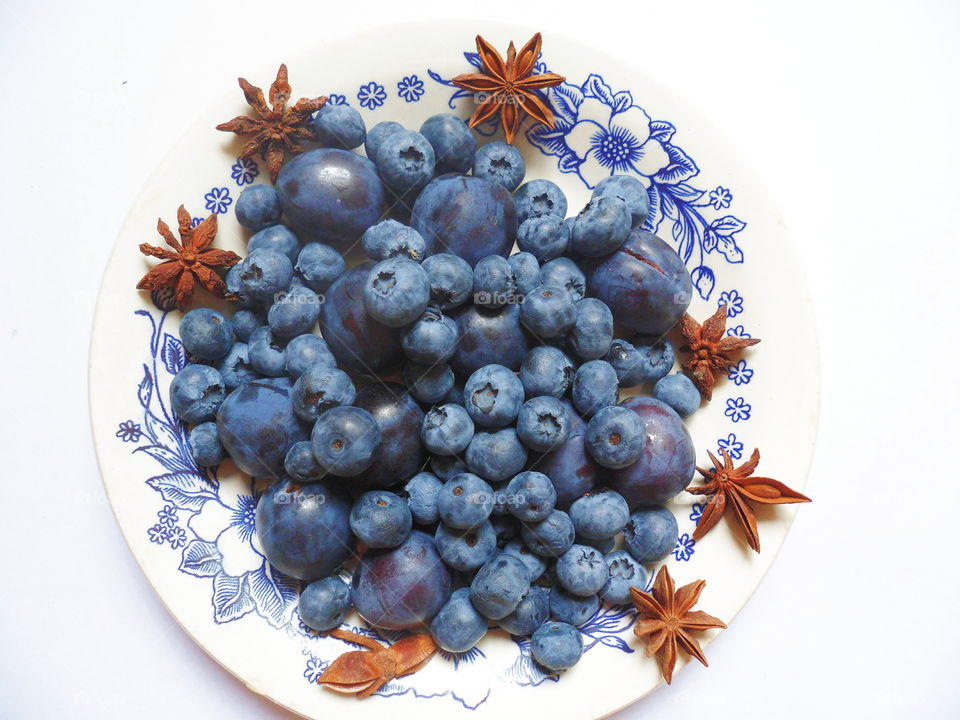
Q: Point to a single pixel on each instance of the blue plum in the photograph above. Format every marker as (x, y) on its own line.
(399, 417)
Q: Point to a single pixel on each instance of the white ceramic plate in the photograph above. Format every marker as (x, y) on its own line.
(195, 541)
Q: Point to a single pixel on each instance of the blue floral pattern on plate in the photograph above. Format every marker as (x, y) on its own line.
(410, 88)
(372, 95)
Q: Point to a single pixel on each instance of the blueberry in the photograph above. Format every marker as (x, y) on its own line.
(581, 570)
(573, 609)
(548, 311)
(679, 392)
(496, 456)
(264, 273)
(656, 357)
(389, 239)
(432, 339)
(489, 336)
(377, 134)
(631, 191)
(458, 626)
(505, 526)
(396, 292)
(464, 501)
(623, 573)
(526, 272)
(500, 163)
(628, 362)
(318, 265)
(601, 227)
(267, 354)
(599, 515)
(447, 466)
(428, 383)
(345, 440)
(493, 395)
(539, 197)
(405, 160)
(258, 207)
(205, 447)
(235, 368)
(236, 289)
(565, 273)
(534, 563)
(466, 549)
(531, 612)
(543, 423)
(304, 530)
(615, 437)
(544, 236)
(295, 312)
(493, 282)
(594, 387)
(557, 646)
(319, 389)
(451, 280)
(381, 519)
(551, 537)
(604, 546)
(300, 464)
(592, 330)
(401, 454)
(650, 534)
(276, 237)
(339, 126)
(447, 430)
(206, 334)
(453, 143)
(196, 393)
(305, 352)
(499, 585)
(422, 491)
(245, 322)
(530, 496)
(546, 371)
(324, 603)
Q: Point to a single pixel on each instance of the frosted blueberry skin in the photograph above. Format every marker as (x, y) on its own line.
(324, 603)
(390, 239)
(500, 163)
(492, 396)
(551, 537)
(496, 456)
(615, 437)
(534, 563)
(493, 282)
(377, 134)
(656, 356)
(679, 392)
(531, 612)
(546, 371)
(319, 389)
(196, 393)
(530, 496)
(245, 322)
(396, 292)
(631, 191)
(422, 490)
(447, 430)
(582, 571)
(599, 516)
(556, 646)
(545, 237)
(264, 273)
(543, 423)
(566, 273)
(267, 352)
(401, 454)
(294, 312)
(645, 283)
(345, 440)
(464, 501)
(235, 367)
(623, 573)
(458, 626)
(429, 384)
(573, 609)
(432, 339)
(499, 585)
(526, 271)
(235, 288)
(627, 362)
(650, 534)
(592, 331)
(453, 143)
(331, 195)
(381, 519)
(206, 334)
(451, 280)
(406, 161)
(403, 587)
(489, 337)
(300, 464)
(205, 447)
(466, 549)
(466, 216)
(305, 352)
(258, 207)
(318, 265)
(446, 466)
(358, 342)
(601, 227)
(339, 126)
(539, 197)
(604, 546)
(667, 464)
(276, 237)
(595, 386)
(548, 312)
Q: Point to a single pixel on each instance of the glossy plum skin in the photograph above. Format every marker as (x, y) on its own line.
(304, 530)
(257, 426)
(571, 468)
(644, 283)
(467, 216)
(402, 587)
(331, 195)
(399, 417)
(666, 465)
(489, 337)
(358, 342)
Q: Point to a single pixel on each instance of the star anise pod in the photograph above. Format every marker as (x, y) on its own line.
(190, 261)
(509, 87)
(709, 349)
(278, 129)
(666, 621)
(734, 489)
(363, 672)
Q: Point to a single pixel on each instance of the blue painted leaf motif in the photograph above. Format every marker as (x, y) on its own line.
(169, 459)
(550, 141)
(686, 232)
(685, 192)
(661, 130)
(565, 101)
(145, 388)
(569, 163)
(474, 59)
(727, 225)
(728, 247)
(526, 673)
(201, 559)
(165, 436)
(616, 642)
(655, 216)
(622, 101)
(231, 598)
(173, 355)
(596, 87)
(681, 167)
(185, 490)
(274, 594)
(703, 280)
(668, 206)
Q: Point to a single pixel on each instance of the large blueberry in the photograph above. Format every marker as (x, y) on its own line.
(399, 418)
(488, 337)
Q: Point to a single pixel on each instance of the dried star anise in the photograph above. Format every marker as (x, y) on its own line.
(190, 262)
(510, 86)
(666, 620)
(734, 488)
(279, 129)
(363, 672)
(709, 349)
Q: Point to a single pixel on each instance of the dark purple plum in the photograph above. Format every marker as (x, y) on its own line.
(668, 461)
(644, 283)
(358, 342)
(569, 466)
(489, 337)
(402, 587)
(304, 530)
(331, 195)
(401, 454)
(257, 426)
(467, 216)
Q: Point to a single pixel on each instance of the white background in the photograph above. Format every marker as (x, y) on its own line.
(847, 110)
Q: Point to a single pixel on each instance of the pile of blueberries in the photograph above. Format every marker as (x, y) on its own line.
(442, 419)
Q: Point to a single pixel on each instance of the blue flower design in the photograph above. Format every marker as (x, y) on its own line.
(157, 534)
(738, 331)
(218, 200)
(696, 511)
(167, 516)
(129, 431)
(684, 549)
(730, 445)
(737, 409)
(410, 88)
(314, 669)
(371, 95)
(244, 170)
(740, 373)
(337, 99)
(734, 302)
(177, 537)
(721, 198)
